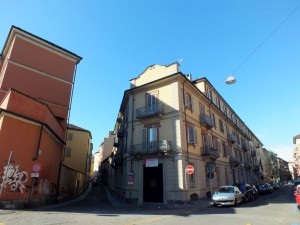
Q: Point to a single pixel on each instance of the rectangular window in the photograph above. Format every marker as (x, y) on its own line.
(151, 102)
(188, 101)
(221, 125)
(150, 139)
(214, 119)
(224, 149)
(191, 134)
(202, 109)
(68, 152)
(70, 136)
(219, 103)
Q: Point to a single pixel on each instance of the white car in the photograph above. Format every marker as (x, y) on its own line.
(227, 195)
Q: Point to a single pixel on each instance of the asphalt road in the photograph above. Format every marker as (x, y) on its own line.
(278, 208)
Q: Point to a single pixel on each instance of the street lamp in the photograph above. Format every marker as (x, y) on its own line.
(230, 79)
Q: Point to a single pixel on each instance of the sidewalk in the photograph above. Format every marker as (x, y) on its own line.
(197, 203)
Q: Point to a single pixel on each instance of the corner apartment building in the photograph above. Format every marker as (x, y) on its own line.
(36, 81)
(168, 121)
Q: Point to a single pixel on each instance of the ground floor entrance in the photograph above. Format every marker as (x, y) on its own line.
(153, 184)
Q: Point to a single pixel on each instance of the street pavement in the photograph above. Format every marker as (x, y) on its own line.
(98, 197)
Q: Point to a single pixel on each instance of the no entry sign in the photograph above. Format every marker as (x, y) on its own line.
(36, 168)
(189, 169)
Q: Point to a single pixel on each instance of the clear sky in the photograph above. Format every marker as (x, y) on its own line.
(256, 40)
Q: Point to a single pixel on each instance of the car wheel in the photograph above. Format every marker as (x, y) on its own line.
(235, 202)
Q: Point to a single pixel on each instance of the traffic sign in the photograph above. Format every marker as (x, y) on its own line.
(189, 169)
(36, 168)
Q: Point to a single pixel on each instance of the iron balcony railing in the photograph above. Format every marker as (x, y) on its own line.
(231, 138)
(210, 152)
(150, 111)
(256, 168)
(245, 146)
(247, 166)
(235, 161)
(163, 146)
(206, 121)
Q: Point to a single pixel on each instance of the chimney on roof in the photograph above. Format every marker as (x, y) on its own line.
(189, 76)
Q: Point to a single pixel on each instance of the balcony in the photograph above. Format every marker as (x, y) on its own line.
(121, 132)
(150, 111)
(234, 161)
(210, 152)
(231, 138)
(253, 153)
(206, 121)
(158, 147)
(247, 166)
(116, 142)
(256, 168)
(245, 146)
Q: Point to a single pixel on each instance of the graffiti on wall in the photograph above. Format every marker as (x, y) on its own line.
(13, 179)
(46, 188)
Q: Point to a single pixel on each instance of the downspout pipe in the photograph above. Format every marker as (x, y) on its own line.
(132, 118)
(39, 144)
(185, 123)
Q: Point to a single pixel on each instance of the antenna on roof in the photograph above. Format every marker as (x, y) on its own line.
(230, 79)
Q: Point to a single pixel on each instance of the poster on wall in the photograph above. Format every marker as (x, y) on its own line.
(151, 163)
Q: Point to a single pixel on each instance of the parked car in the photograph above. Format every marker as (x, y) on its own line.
(246, 191)
(227, 195)
(269, 188)
(261, 189)
(255, 192)
(297, 196)
(275, 186)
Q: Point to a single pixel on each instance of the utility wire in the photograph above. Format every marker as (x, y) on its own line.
(269, 35)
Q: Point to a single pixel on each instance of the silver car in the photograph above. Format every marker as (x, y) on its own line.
(227, 195)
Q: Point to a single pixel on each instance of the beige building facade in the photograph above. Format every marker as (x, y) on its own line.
(168, 121)
(76, 164)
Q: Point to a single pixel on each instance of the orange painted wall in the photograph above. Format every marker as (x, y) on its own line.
(22, 137)
(42, 59)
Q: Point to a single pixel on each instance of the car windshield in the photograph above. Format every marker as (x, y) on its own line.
(226, 190)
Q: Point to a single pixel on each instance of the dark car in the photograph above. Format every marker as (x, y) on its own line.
(261, 189)
(255, 192)
(247, 192)
(275, 186)
(269, 188)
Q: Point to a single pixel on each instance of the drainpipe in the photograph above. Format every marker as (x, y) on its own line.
(64, 148)
(39, 144)
(186, 137)
(131, 162)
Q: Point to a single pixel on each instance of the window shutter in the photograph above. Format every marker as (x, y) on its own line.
(144, 136)
(192, 103)
(195, 136)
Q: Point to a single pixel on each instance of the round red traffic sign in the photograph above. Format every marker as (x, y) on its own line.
(36, 168)
(189, 169)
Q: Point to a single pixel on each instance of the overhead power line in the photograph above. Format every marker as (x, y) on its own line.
(267, 37)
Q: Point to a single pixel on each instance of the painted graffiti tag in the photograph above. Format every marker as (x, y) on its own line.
(14, 178)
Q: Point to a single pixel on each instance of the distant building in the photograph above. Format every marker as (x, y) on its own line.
(168, 121)
(106, 146)
(37, 79)
(296, 156)
(76, 164)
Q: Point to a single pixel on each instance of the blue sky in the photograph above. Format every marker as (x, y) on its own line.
(119, 39)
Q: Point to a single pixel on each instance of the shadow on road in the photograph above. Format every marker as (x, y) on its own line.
(97, 202)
